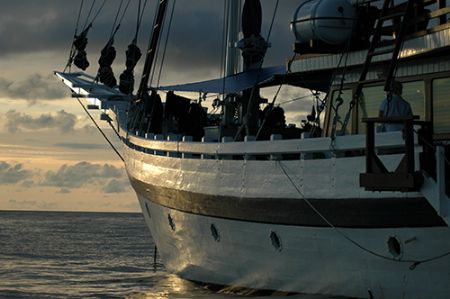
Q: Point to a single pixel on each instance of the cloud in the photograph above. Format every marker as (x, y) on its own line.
(105, 177)
(84, 173)
(195, 39)
(116, 186)
(63, 121)
(34, 87)
(81, 145)
(13, 173)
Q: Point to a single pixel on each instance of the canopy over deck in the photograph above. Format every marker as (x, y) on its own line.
(231, 84)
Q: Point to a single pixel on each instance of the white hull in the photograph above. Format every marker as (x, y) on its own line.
(313, 260)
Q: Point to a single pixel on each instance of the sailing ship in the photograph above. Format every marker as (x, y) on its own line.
(333, 207)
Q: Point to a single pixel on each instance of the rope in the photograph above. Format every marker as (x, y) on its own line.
(276, 93)
(166, 42)
(140, 14)
(89, 14)
(98, 12)
(158, 44)
(414, 263)
(78, 18)
(224, 46)
(115, 19)
(100, 130)
(95, 16)
(113, 33)
(296, 99)
(273, 20)
(71, 53)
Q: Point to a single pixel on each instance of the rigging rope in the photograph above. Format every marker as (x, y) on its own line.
(139, 18)
(72, 48)
(108, 54)
(296, 99)
(165, 43)
(157, 48)
(100, 130)
(113, 33)
(96, 14)
(133, 54)
(223, 47)
(414, 263)
(89, 14)
(78, 50)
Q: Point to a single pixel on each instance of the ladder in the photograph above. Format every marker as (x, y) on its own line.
(386, 14)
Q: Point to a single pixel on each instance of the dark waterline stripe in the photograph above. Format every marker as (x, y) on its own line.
(350, 213)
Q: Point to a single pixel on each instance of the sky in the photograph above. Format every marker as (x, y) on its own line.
(51, 156)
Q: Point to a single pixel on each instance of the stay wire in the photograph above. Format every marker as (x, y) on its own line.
(86, 22)
(139, 18)
(78, 18)
(165, 43)
(224, 47)
(120, 19)
(273, 20)
(98, 12)
(100, 130)
(414, 263)
(115, 20)
(274, 97)
(72, 48)
(157, 46)
(296, 99)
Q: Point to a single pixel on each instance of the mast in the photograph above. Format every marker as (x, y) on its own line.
(152, 47)
(137, 111)
(231, 65)
(253, 47)
(232, 37)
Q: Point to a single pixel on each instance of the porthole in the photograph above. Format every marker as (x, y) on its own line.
(214, 232)
(171, 222)
(395, 247)
(276, 241)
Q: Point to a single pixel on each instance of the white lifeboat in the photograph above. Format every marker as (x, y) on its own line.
(327, 21)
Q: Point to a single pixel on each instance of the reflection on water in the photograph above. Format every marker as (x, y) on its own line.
(173, 287)
(91, 255)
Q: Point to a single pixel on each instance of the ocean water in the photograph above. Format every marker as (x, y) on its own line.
(90, 255)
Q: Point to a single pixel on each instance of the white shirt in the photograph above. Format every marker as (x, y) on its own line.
(395, 106)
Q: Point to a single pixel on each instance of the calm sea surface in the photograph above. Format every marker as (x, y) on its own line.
(88, 255)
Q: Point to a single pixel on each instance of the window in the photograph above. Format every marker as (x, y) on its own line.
(346, 95)
(369, 105)
(414, 93)
(441, 107)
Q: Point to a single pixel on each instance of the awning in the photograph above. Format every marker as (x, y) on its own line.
(231, 84)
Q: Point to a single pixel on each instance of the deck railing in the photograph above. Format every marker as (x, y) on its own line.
(172, 145)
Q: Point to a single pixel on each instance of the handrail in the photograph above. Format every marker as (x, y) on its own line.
(151, 143)
(308, 145)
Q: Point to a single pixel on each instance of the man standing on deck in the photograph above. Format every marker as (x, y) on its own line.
(394, 105)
